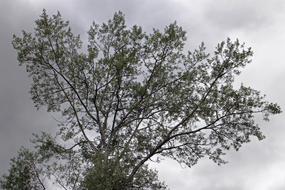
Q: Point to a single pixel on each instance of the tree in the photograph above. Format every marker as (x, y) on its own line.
(24, 173)
(131, 97)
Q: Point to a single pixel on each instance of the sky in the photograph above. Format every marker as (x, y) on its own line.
(258, 23)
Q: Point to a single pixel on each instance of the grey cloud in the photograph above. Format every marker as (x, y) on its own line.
(208, 21)
(18, 118)
(248, 14)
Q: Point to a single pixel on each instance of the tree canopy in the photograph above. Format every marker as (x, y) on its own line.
(130, 97)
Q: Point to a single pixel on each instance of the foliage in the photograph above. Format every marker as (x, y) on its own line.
(24, 173)
(130, 96)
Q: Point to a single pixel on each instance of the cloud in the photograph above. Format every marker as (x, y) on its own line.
(259, 23)
(248, 14)
(18, 117)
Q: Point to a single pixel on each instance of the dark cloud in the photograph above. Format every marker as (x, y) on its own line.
(256, 166)
(18, 118)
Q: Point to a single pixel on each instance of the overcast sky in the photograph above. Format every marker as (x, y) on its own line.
(258, 23)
